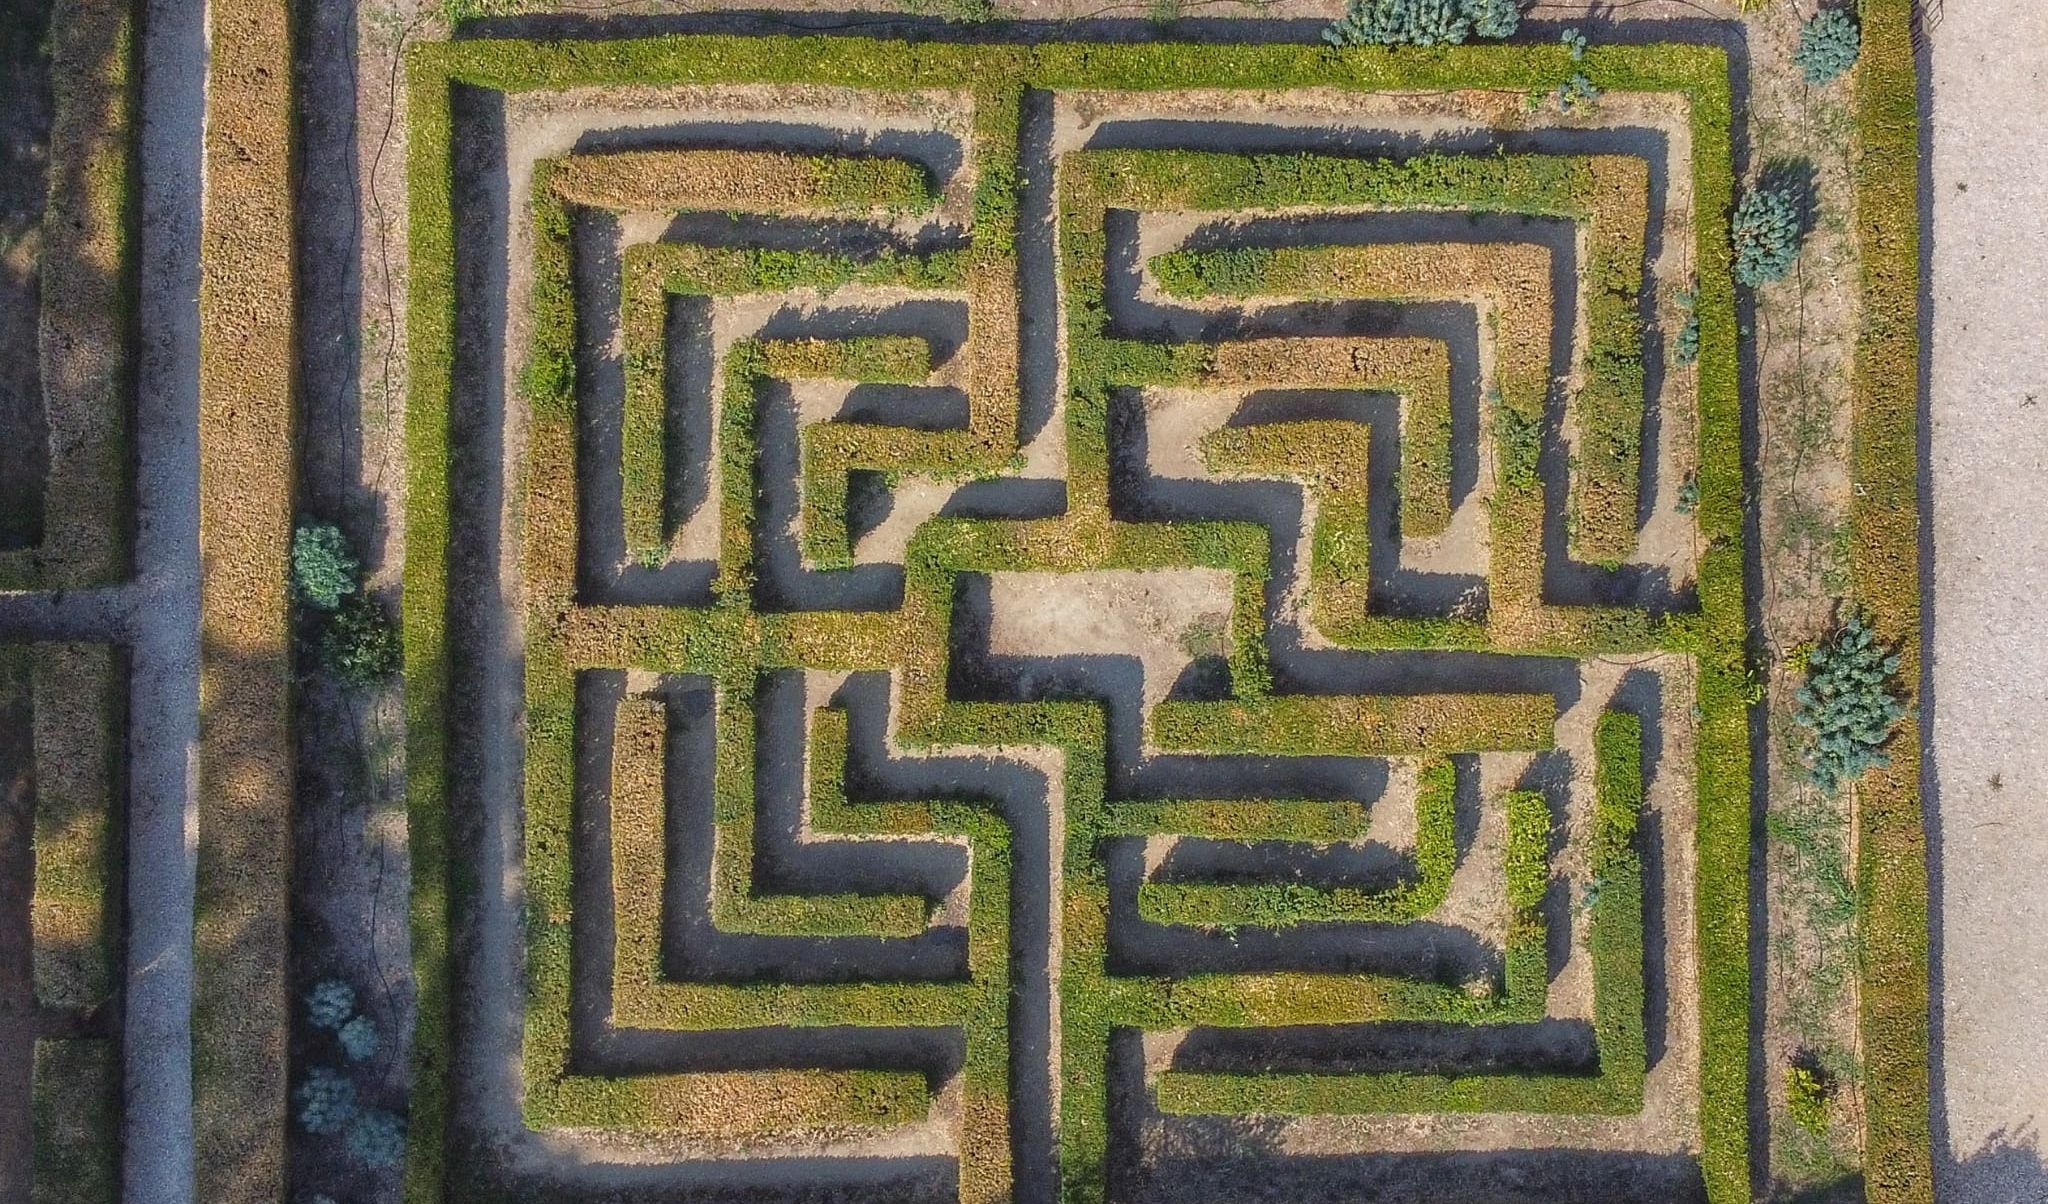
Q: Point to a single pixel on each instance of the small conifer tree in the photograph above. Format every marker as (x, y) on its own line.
(1848, 704)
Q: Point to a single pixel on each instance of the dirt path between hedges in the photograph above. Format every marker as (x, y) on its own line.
(156, 1129)
(1988, 184)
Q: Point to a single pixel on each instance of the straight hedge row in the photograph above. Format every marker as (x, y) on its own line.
(1885, 561)
(60, 738)
(247, 363)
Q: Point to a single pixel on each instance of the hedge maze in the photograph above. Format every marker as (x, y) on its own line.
(1074, 621)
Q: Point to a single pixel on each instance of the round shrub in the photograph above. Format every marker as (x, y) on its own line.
(1848, 704)
(377, 1139)
(1685, 347)
(1766, 235)
(1423, 22)
(330, 1003)
(1494, 18)
(359, 644)
(1577, 93)
(327, 1101)
(1828, 45)
(323, 568)
(359, 1039)
(1806, 1099)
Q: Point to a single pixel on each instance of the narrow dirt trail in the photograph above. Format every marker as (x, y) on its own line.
(1988, 184)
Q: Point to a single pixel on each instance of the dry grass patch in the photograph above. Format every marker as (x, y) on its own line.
(752, 181)
(246, 428)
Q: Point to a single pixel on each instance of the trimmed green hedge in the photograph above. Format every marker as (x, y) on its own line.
(1885, 561)
(1615, 943)
(1583, 188)
(1283, 904)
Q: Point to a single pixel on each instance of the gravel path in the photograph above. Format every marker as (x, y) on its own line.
(1989, 467)
(156, 1163)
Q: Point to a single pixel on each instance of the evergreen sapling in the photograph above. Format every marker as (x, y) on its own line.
(1848, 704)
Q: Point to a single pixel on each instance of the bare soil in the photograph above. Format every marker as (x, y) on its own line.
(1805, 329)
(351, 874)
(1986, 76)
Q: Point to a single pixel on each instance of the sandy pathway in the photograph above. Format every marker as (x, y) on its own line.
(1989, 408)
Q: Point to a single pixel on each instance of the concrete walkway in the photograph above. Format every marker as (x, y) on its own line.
(1989, 469)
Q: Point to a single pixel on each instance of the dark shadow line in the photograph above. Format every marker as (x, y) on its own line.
(1943, 1141)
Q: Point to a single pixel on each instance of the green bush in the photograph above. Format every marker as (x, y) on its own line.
(377, 1139)
(1520, 438)
(1528, 853)
(1578, 92)
(323, 567)
(1685, 348)
(359, 643)
(1828, 45)
(1848, 703)
(1689, 494)
(330, 1003)
(359, 1039)
(327, 1102)
(1230, 271)
(1423, 22)
(1806, 1099)
(1494, 18)
(1767, 231)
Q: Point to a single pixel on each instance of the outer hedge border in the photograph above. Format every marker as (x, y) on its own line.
(1714, 636)
(1885, 564)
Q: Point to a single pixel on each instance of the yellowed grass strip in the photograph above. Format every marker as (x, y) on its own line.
(661, 181)
(245, 502)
